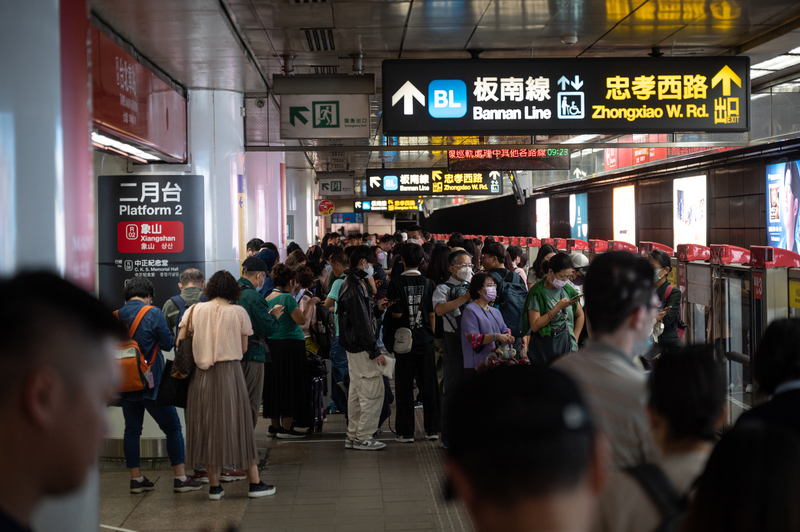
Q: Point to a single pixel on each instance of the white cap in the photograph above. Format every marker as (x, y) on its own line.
(579, 260)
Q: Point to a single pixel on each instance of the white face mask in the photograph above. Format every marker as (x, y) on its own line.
(412, 241)
(465, 274)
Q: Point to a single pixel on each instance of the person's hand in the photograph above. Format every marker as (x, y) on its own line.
(277, 311)
(465, 298)
(383, 304)
(661, 314)
(564, 303)
(381, 360)
(505, 338)
(314, 301)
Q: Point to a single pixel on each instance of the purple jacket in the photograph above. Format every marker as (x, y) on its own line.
(475, 323)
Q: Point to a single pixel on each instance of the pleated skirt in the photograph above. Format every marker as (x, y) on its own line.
(219, 421)
(287, 385)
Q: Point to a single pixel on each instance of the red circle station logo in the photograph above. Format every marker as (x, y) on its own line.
(326, 208)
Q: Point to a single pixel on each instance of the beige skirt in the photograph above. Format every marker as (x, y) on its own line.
(219, 423)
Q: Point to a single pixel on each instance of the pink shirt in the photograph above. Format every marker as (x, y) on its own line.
(218, 331)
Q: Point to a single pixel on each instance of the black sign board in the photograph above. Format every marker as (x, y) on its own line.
(386, 205)
(560, 96)
(432, 182)
(486, 158)
(150, 226)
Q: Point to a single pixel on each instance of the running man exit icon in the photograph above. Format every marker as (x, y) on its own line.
(326, 114)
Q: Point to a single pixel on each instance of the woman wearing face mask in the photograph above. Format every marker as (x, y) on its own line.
(379, 276)
(668, 295)
(286, 383)
(554, 313)
(537, 272)
(482, 326)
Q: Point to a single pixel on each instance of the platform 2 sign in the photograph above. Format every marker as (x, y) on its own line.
(433, 182)
(557, 96)
(149, 226)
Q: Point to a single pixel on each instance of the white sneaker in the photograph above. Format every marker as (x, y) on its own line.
(404, 439)
(431, 437)
(370, 444)
(348, 443)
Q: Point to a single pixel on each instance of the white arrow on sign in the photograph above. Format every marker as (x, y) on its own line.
(408, 92)
(494, 175)
(375, 181)
(578, 173)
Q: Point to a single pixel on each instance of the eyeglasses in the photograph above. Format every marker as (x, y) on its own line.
(462, 266)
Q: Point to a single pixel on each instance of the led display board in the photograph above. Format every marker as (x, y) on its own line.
(689, 204)
(543, 218)
(433, 182)
(512, 159)
(783, 202)
(578, 219)
(558, 96)
(386, 205)
(625, 214)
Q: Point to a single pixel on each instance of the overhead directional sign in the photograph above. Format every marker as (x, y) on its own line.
(313, 116)
(558, 96)
(433, 182)
(335, 186)
(386, 205)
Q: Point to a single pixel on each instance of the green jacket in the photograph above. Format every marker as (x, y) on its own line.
(538, 291)
(264, 323)
(191, 295)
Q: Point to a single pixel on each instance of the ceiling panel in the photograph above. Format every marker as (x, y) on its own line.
(371, 14)
(448, 13)
(511, 37)
(443, 38)
(286, 15)
(374, 41)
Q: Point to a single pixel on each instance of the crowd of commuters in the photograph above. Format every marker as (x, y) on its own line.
(564, 430)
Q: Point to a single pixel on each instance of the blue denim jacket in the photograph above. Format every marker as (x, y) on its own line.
(152, 332)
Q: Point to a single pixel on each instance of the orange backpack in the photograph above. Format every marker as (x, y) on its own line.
(136, 372)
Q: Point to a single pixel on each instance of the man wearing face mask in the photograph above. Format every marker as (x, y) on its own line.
(416, 236)
(265, 324)
(448, 301)
(621, 306)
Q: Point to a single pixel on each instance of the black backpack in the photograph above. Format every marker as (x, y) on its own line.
(456, 291)
(323, 331)
(669, 502)
(511, 297)
(182, 308)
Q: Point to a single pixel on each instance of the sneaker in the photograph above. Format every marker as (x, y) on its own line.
(348, 443)
(215, 493)
(417, 404)
(290, 434)
(141, 486)
(201, 475)
(231, 476)
(444, 445)
(272, 431)
(190, 484)
(404, 439)
(370, 444)
(431, 437)
(304, 430)
(260, 490)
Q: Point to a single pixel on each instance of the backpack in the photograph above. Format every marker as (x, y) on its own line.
(669, 502)
(181, 304)
(136, 371)
(403, 340)
(680, 326)
(456, 291)
(323, 330)
(511, 297)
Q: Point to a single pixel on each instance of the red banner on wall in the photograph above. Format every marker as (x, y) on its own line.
(130, 102)
(150, 237)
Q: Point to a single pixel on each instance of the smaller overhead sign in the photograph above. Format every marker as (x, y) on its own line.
(314, 116)
(386, 205)
(325, 207)
(335, 186)
(433, 182)
(347, 218)
(518, 159)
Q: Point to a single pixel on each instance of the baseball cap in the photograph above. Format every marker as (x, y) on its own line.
(254, 264)
(579, 260)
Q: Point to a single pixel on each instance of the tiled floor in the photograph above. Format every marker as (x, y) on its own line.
(321, 487)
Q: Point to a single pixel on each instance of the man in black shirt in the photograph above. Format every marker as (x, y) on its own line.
(414, 311)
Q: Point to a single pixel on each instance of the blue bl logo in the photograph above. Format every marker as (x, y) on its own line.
(447, 98)
(390, 182)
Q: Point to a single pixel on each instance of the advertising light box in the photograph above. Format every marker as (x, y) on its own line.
(578, 219)
(689, 205)
(783, 202)
(562, 96)
(433, 182)
(625, 214)
(543, 218)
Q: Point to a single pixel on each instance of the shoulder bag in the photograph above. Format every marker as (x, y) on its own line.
(184, 363)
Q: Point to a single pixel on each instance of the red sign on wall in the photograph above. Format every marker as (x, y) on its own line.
(758, 285)
(150, 237)
(130, 102)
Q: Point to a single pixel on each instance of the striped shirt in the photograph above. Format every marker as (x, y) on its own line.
(615, 389)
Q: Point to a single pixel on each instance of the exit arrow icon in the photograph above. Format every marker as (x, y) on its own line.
(375, 181)
(408, 93)
(563, 82)
(494, 175)
(296, 112)
(726, 75)
(325, 186)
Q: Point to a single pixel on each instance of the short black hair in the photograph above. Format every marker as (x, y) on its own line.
(617, 283)
(778, 357)
(539, 262)
(412, 255)
(514, 252)
(359, 253)
(426, 234)
(456, 240)
(559, 262)
(551, 447)
(223, 284)
(331, 250)
(661, 258)
(255, 244)
(687, 388)
(476, 284)
(414, 228)
(282, 275)
(270, 246)
(305, 276)
(496, 250)
(340, 258)
(292, 247)
(138, 287)
(387, 238)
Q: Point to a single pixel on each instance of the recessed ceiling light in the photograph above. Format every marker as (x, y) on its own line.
(104, 141)
(778, 63)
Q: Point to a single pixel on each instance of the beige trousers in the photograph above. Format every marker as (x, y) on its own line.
(365, 398)
(254, 379)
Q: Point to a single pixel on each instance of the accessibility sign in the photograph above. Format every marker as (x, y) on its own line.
(433, 182)
(312, 116)
(557, 96)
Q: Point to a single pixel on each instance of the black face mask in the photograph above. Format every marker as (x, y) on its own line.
(578, 281)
